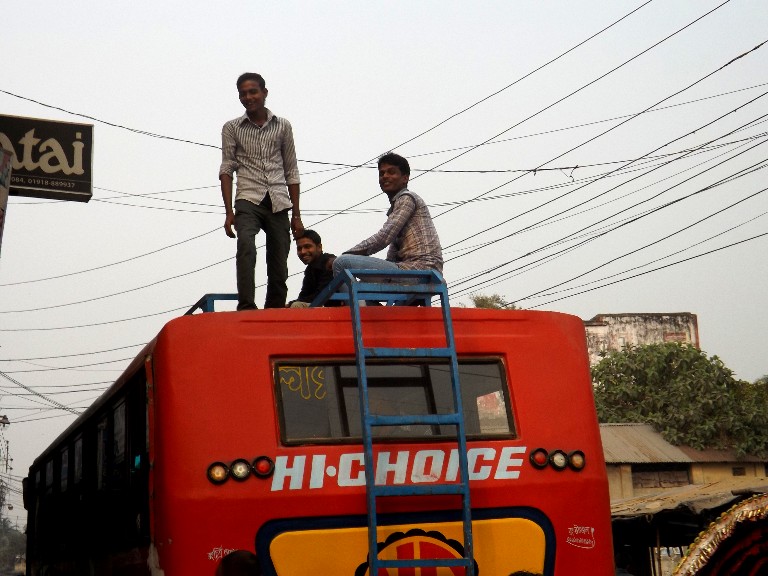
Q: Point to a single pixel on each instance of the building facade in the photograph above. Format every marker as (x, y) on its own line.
(611, 332)
(641, 463)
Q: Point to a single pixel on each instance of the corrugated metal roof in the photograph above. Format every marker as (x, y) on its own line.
(638, 444)
(694, 497)
(718, 456)
(629, 443)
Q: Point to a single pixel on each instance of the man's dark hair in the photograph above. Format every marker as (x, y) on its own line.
(252, 76)
(395, 160)
(312, 235)
(239, 563)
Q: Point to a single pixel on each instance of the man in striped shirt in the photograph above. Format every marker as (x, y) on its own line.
(259, 147)
(409, 232)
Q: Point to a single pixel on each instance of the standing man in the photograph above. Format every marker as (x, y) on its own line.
(409, 231)
(259, 147)
(318, 273)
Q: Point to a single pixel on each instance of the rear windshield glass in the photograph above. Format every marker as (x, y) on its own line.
(319, 401)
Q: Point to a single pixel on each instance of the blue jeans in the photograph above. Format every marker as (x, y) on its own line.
(355, 262)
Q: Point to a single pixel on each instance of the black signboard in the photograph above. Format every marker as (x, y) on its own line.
(5, 181)
(52, 159)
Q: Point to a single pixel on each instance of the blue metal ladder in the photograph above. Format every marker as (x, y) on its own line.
(354, 286)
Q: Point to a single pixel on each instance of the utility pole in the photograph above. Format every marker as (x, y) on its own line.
(5, 459)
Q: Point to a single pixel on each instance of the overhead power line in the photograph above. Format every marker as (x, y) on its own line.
(591, 82)
(477, 103)
(653, 243)
(622, 224)
(103, 323)
(555, 219)
(758, 236)
(50, 394)
(457, 206)
(132, 258)
(54, 368)
(534, 71)
(50, 401)
(671, 254)
(343, 165)
(129, 290)
(597, 179)
(91, 353)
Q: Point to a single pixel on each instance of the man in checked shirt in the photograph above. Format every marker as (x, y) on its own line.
(409, 231)
(259, 147)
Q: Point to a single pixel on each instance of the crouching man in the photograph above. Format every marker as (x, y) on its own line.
(318, 273)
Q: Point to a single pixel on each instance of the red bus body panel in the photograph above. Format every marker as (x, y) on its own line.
(213, 398)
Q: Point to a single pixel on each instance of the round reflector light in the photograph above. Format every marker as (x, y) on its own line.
(240, 469)
(539, 458)
(576, 460)
(263, 466)
(558, 459)
(218, 472)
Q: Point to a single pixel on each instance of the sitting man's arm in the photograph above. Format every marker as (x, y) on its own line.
(402, 211)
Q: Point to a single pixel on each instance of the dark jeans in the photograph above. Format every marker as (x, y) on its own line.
(251, 218)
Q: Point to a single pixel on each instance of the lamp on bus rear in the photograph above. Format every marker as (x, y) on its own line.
(218, 472)
(576, 460)
(263, 467)
(559, 460)
(240, 469)
(539, 458)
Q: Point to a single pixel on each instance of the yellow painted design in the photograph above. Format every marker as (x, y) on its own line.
(307, 381)
(502, 546)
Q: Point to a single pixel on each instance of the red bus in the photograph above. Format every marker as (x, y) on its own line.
(241, 430)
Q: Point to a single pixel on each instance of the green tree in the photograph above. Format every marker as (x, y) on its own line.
(689, 398)
(12, 544)
(494, 301)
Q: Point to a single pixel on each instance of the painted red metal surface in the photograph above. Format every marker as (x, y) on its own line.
(212, 397)
(215, 401)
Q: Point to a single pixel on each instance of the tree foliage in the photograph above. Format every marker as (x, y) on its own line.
(12, 545)
(689, 398)
(494, 301)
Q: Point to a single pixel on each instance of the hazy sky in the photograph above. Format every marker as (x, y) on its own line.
(548, 185)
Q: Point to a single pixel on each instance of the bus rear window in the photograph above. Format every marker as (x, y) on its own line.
(319, 401)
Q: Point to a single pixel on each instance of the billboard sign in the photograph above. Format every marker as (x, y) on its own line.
(5, 182)
(51, 159)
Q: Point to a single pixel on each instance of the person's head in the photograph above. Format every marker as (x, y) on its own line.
(394, 173)
(309, 246)
(239, 563)
(252, 91)
(252, 76)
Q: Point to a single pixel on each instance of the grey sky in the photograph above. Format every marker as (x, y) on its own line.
(355, 80)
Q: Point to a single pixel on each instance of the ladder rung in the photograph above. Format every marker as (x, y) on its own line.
(375, 288)
(420, 489)
(413, 419)
(408, 352)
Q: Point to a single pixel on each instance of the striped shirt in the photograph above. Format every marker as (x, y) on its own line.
(263, 157)
(410, 234)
